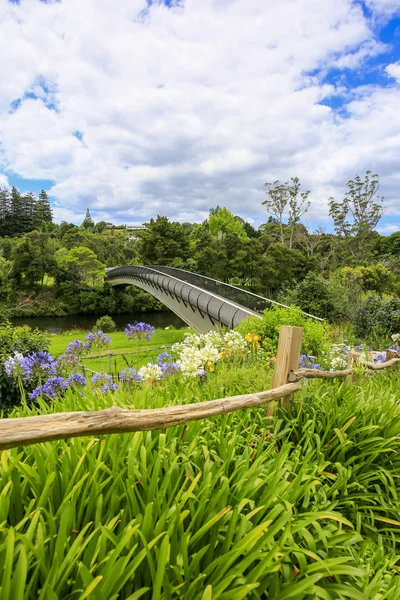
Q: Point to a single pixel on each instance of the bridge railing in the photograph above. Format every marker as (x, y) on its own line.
(230, 292)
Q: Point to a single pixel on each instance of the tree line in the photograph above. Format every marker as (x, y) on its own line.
(325, 273)
(21, 213)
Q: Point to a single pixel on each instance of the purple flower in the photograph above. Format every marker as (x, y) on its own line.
(169, 369)
(76, 379)
(55, 386)
(394, 348)
(97, 339)
(380, 357)
(106, 382)
(37, 364)
(129, 374)
(164, 357)
(75, 348)
(307, 362)
(139, 331)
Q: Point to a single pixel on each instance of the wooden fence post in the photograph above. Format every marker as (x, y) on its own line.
(287, 359)
(351, 361)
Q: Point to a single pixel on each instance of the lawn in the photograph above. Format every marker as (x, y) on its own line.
(147, 351)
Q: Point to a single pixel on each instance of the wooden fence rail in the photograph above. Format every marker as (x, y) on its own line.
(30, 430)
(286, 381)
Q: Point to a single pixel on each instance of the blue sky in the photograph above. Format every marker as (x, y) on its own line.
(173, 107)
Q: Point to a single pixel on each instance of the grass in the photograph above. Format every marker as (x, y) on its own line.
(304, 506)
(120, 344)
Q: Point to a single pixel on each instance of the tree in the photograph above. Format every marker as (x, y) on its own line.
(357, 215)
(222, 221)
(84, 264)
(279, 266)
(34, 257)
(298, 206)
(163, 243)
(87, 222)
(42, 210)
(287, 197)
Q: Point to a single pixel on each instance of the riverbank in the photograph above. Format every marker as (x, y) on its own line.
(159, 320)
(120, 344)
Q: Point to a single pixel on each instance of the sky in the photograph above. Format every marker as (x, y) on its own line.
(137, 108)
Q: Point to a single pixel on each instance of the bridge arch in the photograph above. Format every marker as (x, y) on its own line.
(203, 303)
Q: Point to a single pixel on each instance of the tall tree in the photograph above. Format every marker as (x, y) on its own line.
(5, 212)
(357, 215)
(287, 198)
(88, 222)
(42, 210)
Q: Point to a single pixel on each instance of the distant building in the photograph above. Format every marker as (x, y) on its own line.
(132, 229)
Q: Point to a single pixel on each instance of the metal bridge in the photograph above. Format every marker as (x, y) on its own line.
(203, 303)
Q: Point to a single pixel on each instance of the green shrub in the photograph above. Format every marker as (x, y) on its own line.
(106, 324)
(377, 317)
(16, 339)
(315, 338)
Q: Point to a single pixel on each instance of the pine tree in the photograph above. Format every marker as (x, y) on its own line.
(27, 215)
(42, 210)
(5, 210)
(16, 212)
(87, 222)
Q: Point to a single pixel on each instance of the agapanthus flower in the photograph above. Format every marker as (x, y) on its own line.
(96, 339)
(53, 387)
(139, 331)
(76, 379)
(307, 362)
(75, 348)
(106, 382)
(129, 374)
(12, 365)
(37, 364)
(169, 368)
(150, 373)
(164, 357)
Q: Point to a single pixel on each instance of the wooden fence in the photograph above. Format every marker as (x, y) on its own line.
(285, 382)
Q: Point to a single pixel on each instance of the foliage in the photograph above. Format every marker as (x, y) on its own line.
(13, 340)
(34, 257)
(87, 222)
(222, 222)
(106, 324)
(315, 338)
(286, 197)
(377, 317)
(233, 507)
(20, 214)
(357, 215)
(325, 298)
(83, 263)
(163, 243)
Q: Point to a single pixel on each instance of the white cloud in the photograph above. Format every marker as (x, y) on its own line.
(394, 70)
(185, 108)
(3, 181)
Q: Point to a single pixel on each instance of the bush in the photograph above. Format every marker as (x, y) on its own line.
(16, 339)
(318, 296)
(377, 317)
(315, 338)
(106, 324)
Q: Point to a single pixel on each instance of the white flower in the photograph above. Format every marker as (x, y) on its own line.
(150, 372)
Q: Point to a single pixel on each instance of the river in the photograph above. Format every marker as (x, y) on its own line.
(59, 324)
